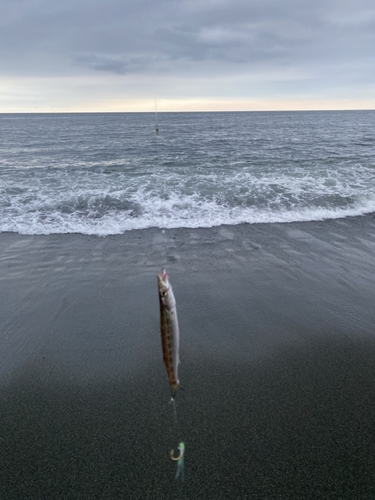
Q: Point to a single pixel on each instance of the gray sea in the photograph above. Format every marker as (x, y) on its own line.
(102, 174)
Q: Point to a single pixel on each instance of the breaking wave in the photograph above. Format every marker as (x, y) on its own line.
(237, 177)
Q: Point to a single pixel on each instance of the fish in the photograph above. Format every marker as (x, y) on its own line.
(169, 330)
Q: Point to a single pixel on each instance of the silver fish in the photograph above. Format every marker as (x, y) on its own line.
(169, 330)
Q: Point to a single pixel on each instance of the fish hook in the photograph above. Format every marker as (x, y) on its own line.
(181, 449)
(179, 456)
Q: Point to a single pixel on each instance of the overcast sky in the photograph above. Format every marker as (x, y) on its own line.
(119, 55)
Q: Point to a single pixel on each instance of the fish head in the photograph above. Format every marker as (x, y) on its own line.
(166, 295)
(163, 284)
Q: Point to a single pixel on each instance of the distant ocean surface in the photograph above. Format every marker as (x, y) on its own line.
(105, 174)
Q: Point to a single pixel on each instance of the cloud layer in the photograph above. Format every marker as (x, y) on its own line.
(238, 49)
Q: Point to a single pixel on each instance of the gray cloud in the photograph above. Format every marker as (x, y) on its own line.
(119, 65)
(192, 37)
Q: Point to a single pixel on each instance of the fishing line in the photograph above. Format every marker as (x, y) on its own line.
(173, 402)
(170, 340)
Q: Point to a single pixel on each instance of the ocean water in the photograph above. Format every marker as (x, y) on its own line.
(110, 173)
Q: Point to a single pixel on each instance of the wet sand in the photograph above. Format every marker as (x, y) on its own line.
(277, 363)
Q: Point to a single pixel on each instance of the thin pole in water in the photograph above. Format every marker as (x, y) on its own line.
(156, 119)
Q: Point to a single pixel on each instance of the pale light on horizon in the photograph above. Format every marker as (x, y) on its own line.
(196, 105)
(59, 95)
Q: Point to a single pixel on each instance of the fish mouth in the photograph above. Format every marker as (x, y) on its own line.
(163, 280)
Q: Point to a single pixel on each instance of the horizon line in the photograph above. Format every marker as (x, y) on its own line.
(309, 110)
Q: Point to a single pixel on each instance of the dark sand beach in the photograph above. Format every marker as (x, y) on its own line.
(277, 363)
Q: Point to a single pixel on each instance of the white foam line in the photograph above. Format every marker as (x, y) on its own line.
(115, 223)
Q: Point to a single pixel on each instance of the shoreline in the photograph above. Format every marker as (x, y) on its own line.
(277, 363)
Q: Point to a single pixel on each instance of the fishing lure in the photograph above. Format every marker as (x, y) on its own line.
(180, 473)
